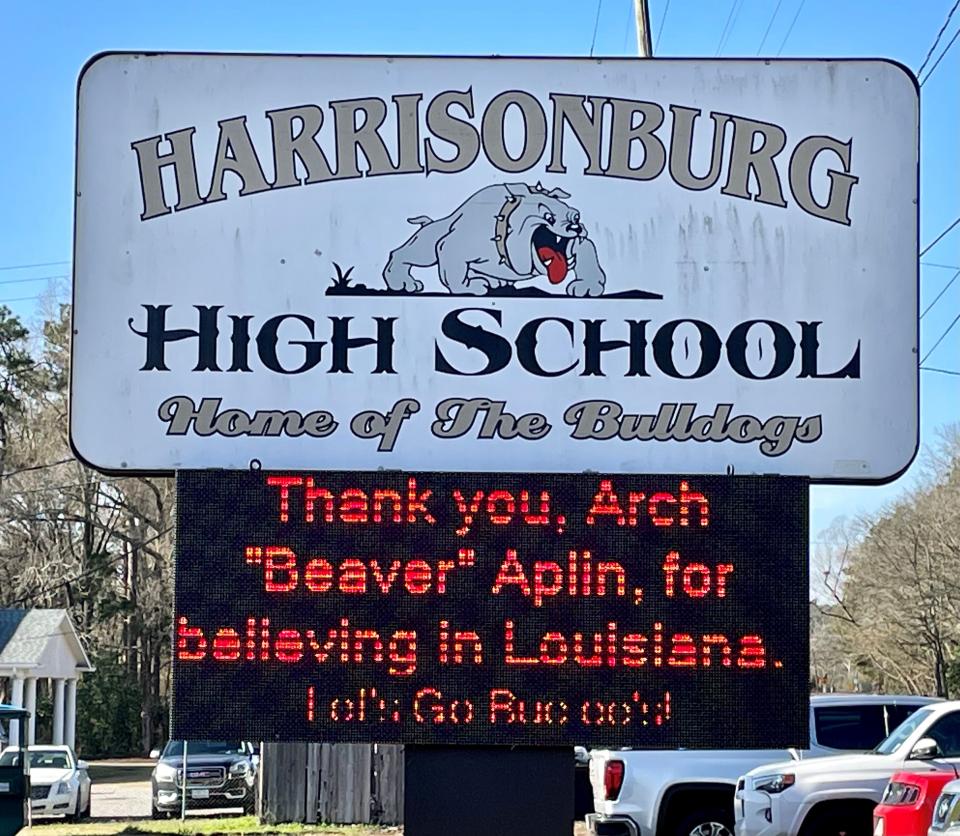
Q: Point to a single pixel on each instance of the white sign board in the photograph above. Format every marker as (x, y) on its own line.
(496, 264)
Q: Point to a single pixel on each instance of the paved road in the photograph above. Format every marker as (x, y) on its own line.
(131, 800)
(120, 801)
(121, 790)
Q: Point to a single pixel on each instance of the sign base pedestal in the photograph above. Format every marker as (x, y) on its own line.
(488, 790)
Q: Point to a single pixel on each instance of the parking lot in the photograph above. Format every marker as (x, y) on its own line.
(120, 789)
(121, 793)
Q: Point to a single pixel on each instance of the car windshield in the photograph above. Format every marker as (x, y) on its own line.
(203, 747)
(897, 737)
(56, 759)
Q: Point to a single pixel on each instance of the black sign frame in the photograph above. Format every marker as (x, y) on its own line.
(657, 547)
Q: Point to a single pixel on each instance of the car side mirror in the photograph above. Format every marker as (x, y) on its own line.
(925, 750)
(82, 765)
(154, 754)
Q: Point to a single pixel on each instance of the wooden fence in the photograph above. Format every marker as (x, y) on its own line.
(342, 783)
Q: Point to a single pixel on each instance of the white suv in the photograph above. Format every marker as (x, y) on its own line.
(689, 793)
(836, 796)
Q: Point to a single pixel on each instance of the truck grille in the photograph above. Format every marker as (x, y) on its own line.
(203, 776)
(40, 791)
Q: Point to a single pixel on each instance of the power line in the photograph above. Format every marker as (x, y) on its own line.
(35, 264)
(97, 570)
(33, 467)
(940, 371)
(726, 25)
(22, 298)
(34, 279)
(733, 25)
(656, 43)
(936, 240)
(936, 40)
(28, 491)
(944, 266)
(770, 25)
(937, 62)
(943, 336)
(945, 288)
(596, 25)
(793, 22)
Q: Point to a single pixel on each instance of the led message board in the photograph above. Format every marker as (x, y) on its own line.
(655, 611)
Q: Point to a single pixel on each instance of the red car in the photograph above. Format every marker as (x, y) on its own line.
(909, 800)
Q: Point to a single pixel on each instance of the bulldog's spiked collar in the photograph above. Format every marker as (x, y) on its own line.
(502, 226)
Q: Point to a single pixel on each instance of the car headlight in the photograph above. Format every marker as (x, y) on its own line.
(239, 768)
(774, 783)
(165, 772)
(898, 793)
(63, 788)
(942, 812)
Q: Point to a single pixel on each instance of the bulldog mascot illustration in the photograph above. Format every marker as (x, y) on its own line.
(501, 235)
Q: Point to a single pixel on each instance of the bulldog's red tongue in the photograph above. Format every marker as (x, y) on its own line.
(556, 264)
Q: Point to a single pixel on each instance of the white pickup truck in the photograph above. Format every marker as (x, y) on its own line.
(691, 792)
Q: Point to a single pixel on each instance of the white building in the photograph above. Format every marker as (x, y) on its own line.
(42, 644)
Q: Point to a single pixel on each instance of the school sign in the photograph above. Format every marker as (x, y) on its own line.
(466, 264)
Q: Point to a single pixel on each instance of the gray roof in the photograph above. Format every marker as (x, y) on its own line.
(9, 621)
(25, 634)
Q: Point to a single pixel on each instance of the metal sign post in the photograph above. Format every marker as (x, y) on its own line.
(488, 790)
(183, 785)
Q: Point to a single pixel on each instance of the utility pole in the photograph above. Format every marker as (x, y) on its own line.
(641, 12)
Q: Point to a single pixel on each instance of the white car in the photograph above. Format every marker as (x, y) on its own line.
(59, 783)
(836, 796)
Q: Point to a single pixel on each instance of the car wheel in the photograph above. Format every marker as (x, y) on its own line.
(709, 822)
(77, 814)
(158, 814)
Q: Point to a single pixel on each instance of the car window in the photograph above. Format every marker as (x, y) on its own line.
(204, 747)
(946, 731)
(851, 727)
(49, 760)
(897, 713)
(38, 760)
(11, 757)
(903, 731)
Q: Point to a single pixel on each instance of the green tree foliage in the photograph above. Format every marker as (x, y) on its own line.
(108, 711)
(98, 546)
(19, 377)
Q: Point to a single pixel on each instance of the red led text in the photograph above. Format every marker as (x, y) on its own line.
(283, 571)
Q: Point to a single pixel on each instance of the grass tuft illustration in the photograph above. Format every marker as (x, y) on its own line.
(343, 285)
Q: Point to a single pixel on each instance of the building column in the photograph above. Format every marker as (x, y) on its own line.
(58, 712)
(16, 698)
(30, 703)
(70, 720)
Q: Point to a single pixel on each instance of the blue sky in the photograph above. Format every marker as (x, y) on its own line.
(43, 47)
